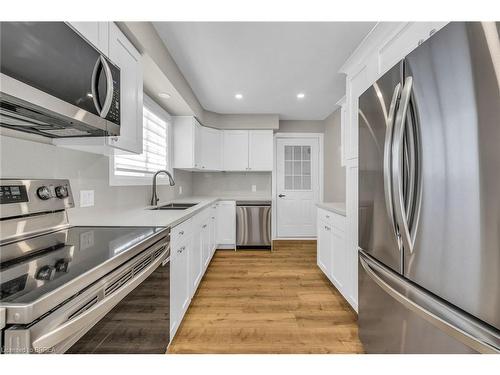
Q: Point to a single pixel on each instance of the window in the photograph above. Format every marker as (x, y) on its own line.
(298, 167)
(133, 169)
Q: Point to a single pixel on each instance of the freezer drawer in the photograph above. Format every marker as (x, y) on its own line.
(395, 316)
(253, 225)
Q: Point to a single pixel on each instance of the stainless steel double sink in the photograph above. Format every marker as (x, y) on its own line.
(175, 206)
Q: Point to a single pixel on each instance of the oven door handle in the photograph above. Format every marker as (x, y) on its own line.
(92, 315)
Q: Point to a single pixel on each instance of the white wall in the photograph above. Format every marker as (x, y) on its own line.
(301, 126)
(335, 177)
(86, 171)
(232, 184)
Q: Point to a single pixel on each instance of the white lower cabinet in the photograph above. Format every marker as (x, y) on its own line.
(193, 243)
(333, 256)
(324, 252)
(179, 283)
(226, 224)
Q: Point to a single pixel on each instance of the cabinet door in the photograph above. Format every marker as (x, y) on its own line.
(260, 150)
(324, 248)
(235, 150)
(211, 149)
(97, 33)
(213, 229)
(339, 260)
(179, 286)
(196, 259)
(205, 240)
(198, 146)
(226, 223)
(128, 59)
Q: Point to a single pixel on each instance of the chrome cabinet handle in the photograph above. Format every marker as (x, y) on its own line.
(388, 159)
(181, 249)
(282, 195)
(327, 228)
(204, 226)
(181, 233)
(473, 334)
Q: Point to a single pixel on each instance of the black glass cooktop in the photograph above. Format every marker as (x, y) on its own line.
(39, 265)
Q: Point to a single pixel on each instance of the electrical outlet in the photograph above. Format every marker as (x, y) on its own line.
(254, 188)
(180, 190)
(86, 198)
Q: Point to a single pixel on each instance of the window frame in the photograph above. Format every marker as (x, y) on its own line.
(116, 180)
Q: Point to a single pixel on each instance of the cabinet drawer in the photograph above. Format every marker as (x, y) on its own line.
(335, 220)
(181, 231)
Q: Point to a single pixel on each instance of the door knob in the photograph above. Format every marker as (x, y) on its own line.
(281, 195)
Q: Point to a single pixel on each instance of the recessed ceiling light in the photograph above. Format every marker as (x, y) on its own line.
(239, 96)
(164, 95)
(301, 95)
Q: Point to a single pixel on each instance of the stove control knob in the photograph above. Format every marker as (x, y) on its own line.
(46, 273)
(43, 193)
(61, 192)
(62, 265)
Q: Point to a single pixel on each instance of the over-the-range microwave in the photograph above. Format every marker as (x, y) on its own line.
(56, 84)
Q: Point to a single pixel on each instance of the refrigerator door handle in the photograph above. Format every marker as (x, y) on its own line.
(397, 156)
(468, 330)
(388, 159)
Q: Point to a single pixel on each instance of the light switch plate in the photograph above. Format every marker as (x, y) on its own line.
(254, 188)
(86, 198)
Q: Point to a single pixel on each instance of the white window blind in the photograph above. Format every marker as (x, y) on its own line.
(155, 147)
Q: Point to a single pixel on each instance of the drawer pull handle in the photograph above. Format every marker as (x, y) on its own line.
(327, 228)
(204, 226)
(181, 249)
(181, 233)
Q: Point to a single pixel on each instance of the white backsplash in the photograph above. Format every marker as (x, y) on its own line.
(237, 184)
(86, 171)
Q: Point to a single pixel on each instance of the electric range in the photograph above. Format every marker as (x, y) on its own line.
(57, 281)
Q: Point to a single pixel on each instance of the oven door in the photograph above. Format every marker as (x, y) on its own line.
(60, 329)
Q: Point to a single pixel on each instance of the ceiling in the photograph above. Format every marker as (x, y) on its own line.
(269, 63)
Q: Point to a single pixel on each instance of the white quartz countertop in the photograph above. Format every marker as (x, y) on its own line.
(336, 207)
(144, 216)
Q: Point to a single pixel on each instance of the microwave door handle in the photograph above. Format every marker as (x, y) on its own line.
(388, 159)
(71, 327)
(109, 88)
(93, 86)
(397, 155)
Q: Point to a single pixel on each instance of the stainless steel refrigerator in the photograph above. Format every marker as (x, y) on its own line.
(429, 198)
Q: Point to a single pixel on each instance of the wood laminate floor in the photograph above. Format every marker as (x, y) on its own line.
(256, 301)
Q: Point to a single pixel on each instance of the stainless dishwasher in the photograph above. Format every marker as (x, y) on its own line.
(253, 224)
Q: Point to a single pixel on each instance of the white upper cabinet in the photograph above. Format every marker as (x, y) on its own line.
(128, 59)
(211, 149)
(260, 150)
(108, 38)
(248, 150)
(235, 150)
(97, 33)
(196, 147)
(200, 148)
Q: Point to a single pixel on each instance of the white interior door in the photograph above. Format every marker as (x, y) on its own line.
(297, 186)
